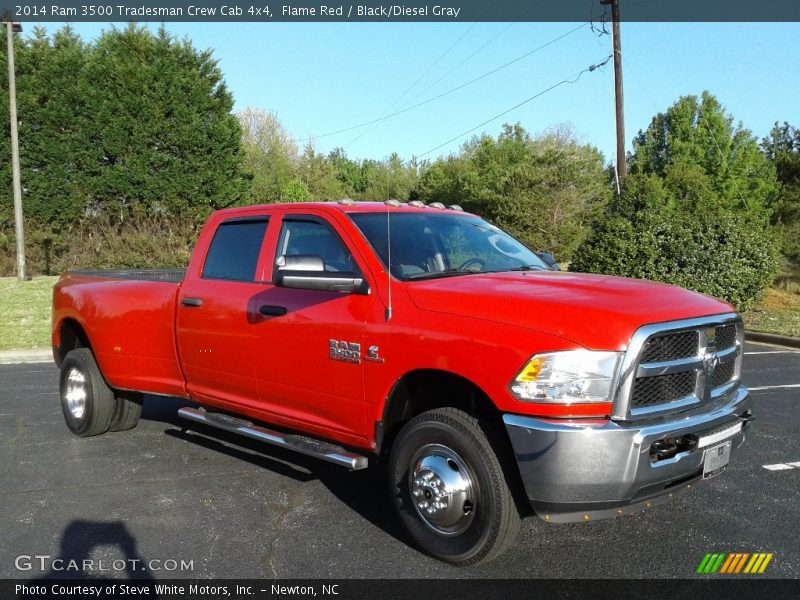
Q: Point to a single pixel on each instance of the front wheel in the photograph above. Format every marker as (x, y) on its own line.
(449, 488)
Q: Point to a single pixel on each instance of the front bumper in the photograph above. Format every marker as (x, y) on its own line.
(576, 472)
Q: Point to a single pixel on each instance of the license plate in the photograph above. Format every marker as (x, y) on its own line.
(716, 459)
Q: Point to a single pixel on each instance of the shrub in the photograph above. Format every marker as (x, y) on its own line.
(730, 256)
(152, 242)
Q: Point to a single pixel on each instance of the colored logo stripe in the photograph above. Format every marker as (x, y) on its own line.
(735, 562)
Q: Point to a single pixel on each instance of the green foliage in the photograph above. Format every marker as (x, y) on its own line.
(132, 125)
(782, 148)
(728, 257)
(164, 136)
(545, 191)
(270, 158)
(703, 161)
(152, 241)
(693, 211)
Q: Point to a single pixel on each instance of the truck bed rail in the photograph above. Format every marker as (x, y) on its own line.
(170, 275)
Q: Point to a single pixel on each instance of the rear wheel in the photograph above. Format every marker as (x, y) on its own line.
(449, 488)
(87, 402)
(127, 412)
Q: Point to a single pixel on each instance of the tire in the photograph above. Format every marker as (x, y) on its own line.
(441, 460)
(86, 400)
(127, 411)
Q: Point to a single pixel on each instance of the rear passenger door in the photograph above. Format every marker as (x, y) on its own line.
(215, 315)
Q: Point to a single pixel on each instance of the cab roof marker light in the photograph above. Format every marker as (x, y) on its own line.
(347, 201)
(438, 205)
(417, 204)
(456, 207)
(393, 202)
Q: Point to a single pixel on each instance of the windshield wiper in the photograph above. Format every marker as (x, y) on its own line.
(445, 273)
(521, 268)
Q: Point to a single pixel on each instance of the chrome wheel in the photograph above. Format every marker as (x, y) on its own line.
(75, 394)
(443, 489)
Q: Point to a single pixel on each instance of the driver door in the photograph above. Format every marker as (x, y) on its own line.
(308, 358)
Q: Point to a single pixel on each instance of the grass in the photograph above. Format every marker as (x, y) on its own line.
(778, 313)
(25, 313)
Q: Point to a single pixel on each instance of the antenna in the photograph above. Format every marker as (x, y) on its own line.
(389, 253)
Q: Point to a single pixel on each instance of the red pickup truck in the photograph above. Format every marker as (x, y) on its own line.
(427, 340)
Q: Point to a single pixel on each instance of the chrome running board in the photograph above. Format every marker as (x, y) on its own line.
(299, 443)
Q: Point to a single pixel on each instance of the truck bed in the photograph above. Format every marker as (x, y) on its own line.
(129, 316)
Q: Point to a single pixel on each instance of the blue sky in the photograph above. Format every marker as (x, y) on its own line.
(324, 77)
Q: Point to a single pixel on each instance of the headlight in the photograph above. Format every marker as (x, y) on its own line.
(569, 377)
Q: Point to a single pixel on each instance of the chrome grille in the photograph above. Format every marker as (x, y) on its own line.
(725, 336)
(723, 374)
(650, 391)
(676, 365)
(671, 346)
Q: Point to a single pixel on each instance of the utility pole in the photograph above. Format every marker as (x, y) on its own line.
(622, 165)
(11, 28)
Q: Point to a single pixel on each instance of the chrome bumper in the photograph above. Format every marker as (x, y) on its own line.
(576, 472)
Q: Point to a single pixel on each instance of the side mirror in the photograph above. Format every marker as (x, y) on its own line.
(307, 272)
(549, 260)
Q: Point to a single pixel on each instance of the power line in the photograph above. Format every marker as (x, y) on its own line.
(492, 39)
(450, 91)
(420, 78)
(569, 80)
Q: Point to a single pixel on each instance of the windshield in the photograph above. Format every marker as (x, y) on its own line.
(426, 245)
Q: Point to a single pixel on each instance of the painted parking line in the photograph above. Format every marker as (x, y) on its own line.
(773, 352)
(783, 466)
(774, 387)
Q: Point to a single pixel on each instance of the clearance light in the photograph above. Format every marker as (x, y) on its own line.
(570, 377)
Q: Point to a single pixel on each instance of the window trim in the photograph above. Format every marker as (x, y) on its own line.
(238, 221)
(308, 218)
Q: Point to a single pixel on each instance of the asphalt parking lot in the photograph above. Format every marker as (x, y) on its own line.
(236, 511)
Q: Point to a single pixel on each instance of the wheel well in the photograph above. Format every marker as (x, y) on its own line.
(72, 336)
(423, 390)
(426, 389)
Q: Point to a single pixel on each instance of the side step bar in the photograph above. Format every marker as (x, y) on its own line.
(305, 445)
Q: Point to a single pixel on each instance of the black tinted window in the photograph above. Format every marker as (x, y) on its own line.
(233, 253)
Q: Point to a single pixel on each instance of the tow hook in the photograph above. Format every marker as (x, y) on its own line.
(666, 448)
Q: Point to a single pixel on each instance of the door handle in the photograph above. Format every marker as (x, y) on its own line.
(192, 302)
(270, 310)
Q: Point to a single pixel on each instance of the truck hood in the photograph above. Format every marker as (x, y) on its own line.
(594, 311)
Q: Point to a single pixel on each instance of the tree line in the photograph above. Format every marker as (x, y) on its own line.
(127, 143)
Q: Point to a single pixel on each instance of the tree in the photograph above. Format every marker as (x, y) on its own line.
(544, 190)
(163, 137)
(703, 161)
(270, 157)
(129, 134)
(319, 176)
(391, 178)
(53, 126)
(693, 210)
(782, 148)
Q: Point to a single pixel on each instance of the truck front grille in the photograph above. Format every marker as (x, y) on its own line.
(722, 374)
(671, 346)
(725, 336)
(676, 365)
(650, 391)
